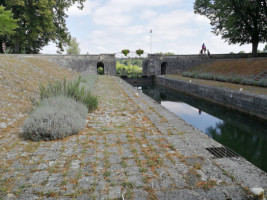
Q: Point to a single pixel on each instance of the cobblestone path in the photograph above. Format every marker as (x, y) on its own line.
(119, 155)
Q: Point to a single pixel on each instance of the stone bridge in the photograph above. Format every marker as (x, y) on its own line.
(82, 63)
(176, 64)
(152, 65)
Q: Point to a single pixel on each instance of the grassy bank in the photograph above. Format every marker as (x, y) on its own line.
(241, 71)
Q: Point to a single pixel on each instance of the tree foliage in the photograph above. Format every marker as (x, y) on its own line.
(238, 21)
(7, 22)
(130, 62)
(125, 51)
(73, 48)
(132, 70)
(40, 22)
(139, 52)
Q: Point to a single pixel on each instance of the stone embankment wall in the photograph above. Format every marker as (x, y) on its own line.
(82, 63)
(158, 64)
(176, 64)
(245, 102)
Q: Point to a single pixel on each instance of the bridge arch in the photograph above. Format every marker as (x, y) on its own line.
(163, 68)
(100, 68)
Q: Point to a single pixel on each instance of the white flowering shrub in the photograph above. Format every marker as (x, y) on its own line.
(55, 118)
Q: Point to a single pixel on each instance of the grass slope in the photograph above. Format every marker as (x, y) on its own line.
(19, 82)
(247, 68)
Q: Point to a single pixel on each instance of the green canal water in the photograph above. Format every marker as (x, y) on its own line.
(242, 133)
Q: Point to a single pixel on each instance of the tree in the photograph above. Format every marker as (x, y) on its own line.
(265, 49)
(7, 22)
(73, 47)
(125, 51)
(40, 22)
(139, 52)
(238, 21)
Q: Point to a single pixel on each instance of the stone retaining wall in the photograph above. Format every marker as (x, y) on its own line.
(81, 63)
(176, 64)
(245, 102)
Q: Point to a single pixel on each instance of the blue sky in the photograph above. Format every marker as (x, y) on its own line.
(108, 26)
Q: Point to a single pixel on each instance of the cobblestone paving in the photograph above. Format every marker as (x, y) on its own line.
(119, 155)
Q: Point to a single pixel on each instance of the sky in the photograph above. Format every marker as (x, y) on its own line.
(108, 26)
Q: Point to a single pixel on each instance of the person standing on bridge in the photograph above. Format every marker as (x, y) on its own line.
(203, 48)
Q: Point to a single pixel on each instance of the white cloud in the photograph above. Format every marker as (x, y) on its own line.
(148, 14)
(89, 5)
(176, 26)
(108, 26)
(130, 4)
(111, 17)
(201, 20)
(49, 49)
(180, 108)
(216, 45)
(121, 12)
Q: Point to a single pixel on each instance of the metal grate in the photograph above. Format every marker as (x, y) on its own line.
(222, 152)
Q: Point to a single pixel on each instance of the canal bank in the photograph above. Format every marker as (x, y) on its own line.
(253, 104)
(131, 148)
(240, 132)
(193, 144)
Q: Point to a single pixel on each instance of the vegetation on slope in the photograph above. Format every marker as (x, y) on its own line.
(20, 78)
(70, 89)
(19, 86)
(242, 71)
(62, 111)
(55, 118)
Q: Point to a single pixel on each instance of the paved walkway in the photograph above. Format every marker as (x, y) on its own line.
(120, 154)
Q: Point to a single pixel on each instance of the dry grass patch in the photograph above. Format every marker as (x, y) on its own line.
(244, 67)
(20, 85)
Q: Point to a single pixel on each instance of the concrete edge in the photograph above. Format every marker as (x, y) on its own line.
(252, 104)
(194, 142)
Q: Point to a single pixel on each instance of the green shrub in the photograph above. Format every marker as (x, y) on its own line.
(133, 70)
(187, 74)
(55, 118)
(205, 76)
(70, 89)
(100, 70)
(263, 82)
(247, 81)
(237, 80)
(230, 79)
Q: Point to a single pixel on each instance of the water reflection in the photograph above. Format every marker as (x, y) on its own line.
(200, 119)
(245, 135)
